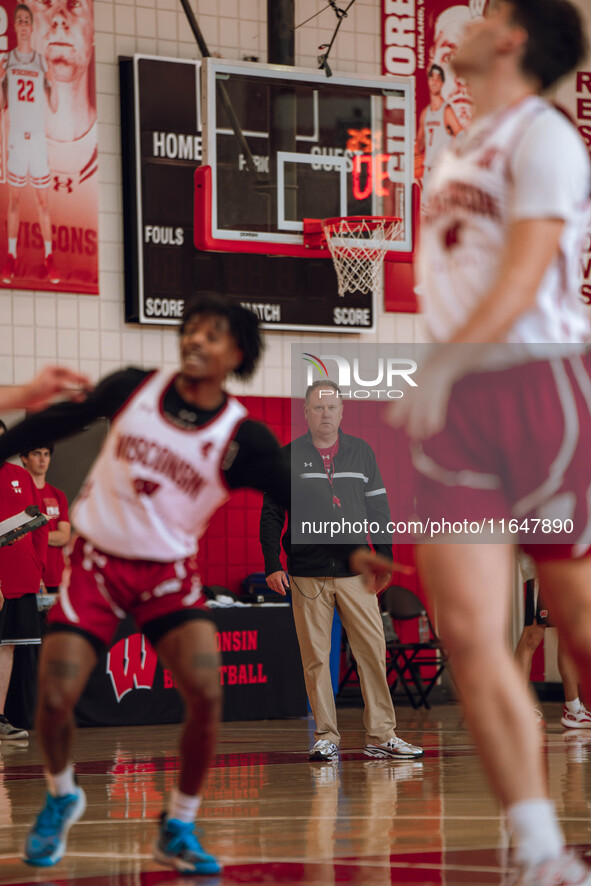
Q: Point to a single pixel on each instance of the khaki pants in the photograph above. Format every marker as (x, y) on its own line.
(314, 601)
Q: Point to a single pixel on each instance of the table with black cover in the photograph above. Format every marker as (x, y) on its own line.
(261, 673)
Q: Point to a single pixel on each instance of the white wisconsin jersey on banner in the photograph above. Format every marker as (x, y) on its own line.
(488, 179)
(26, 92)
(154, 487)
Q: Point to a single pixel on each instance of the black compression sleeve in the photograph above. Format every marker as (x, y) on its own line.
(260, 463)
(64, 419)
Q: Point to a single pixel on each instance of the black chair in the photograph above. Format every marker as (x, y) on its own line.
(409, 661)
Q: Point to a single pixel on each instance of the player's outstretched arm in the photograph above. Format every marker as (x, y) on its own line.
(47, 384)
(64, 419)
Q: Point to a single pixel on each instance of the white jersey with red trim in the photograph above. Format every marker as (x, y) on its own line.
(27, 103)
(524, 162)
(155, 486)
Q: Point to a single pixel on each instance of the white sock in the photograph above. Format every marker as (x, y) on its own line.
(12, 245)
(183, 807)
(48, 247)
(573, 707)
(61, 783)
(534, 831)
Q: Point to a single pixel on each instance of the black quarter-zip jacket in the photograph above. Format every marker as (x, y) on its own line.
(358, 486)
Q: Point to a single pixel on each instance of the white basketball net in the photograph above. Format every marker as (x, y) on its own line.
(358, 247)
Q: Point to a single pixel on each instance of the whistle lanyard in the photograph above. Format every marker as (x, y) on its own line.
(328, 457)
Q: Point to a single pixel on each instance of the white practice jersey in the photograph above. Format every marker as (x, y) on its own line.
(436, 135)
(27, 102)
(524, 162)
(154, 487)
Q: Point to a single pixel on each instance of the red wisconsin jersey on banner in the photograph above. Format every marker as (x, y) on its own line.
(419, 37)
(48, 146)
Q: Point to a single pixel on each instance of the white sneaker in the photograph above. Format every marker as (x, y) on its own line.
(323, 750)
(568, 870)
(395, 747)
(580, 720)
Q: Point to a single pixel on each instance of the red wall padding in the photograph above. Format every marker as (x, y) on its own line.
(231, 550)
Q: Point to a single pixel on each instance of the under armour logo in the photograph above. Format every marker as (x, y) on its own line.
(63, 182)
(307, 464)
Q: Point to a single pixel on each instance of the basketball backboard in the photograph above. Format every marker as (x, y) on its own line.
(283, 144)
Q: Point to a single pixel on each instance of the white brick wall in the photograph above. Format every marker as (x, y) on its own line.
(88, 332)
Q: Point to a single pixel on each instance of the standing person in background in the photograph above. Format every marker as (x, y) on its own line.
(536, 620)
(55, 507)
(342, 470)
(21, 568)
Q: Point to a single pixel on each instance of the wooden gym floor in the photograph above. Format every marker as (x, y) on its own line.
(275, 818)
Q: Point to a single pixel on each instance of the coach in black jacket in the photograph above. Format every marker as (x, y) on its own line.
(346, 468)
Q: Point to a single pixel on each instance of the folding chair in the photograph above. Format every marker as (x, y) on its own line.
(410, 660)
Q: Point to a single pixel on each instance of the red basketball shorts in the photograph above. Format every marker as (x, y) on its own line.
(99, 590)
(513, 461)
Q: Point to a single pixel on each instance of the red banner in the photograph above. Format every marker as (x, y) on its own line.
(416, 36)
(48, 146)
(419, 40)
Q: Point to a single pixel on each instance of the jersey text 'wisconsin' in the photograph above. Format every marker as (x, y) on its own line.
(160, 460)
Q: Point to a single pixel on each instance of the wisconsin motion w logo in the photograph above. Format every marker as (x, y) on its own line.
(346, 373)
(131, 664)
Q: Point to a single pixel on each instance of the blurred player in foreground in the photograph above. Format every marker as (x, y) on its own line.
(506, 212)
(177, 444)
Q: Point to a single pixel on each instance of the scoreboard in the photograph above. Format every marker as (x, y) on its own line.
(163, 103)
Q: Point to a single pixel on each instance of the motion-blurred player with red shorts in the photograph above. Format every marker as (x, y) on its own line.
(506, 211)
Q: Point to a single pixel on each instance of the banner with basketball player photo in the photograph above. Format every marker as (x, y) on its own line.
(419, 39)
(48, 146)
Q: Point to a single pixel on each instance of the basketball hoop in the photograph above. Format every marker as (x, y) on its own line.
(358, 246)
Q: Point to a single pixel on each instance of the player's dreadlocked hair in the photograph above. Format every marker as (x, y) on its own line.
(244, 326)
(556, 38)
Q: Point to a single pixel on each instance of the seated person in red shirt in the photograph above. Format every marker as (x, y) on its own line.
(21, 568)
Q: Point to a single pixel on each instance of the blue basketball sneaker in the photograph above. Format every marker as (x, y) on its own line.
(46, 841)
(178, 847)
